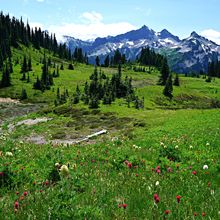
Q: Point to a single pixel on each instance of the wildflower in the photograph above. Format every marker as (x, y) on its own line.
(158, 171)
(47, 182)
(195, 214)
(157, 183)
(57, 165)
(209, 184)
(17, 193)
(64, 170)
(205, 167)
(194, 172)
(207, 144)
(124, 205)
(9, 154)
(1, 174)
(169, 169)
(203, 214)
(178, 198)
(129, 165)
(167, 212)
(156, 198)
(25, 193)
(16, 205)
(136, 174)
(176, 147)
(212, 192)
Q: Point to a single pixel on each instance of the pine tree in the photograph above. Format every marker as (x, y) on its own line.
(23, 94)
(29, 64)
(24, 67)
(164, 73)
(168, 89)
(6, 80)
(106, 61)
(97, 61)
(176, 81)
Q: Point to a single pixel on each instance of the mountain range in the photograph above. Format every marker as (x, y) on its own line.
(191, 54)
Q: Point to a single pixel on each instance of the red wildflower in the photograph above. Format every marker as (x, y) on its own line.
(136, 174)
(167, 212)
(17, 193)
(158, 168)
(209, 184)
(203, 214)
(129, 165)
(1, 174)
(153, 169)
(195, 214)
(25, 193)
(124, 206)
(178, 198)
(119, 205)
(16, 205)
(156, 198)
(194, 172)
(46, 182)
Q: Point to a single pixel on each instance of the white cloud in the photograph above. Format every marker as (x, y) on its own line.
(92, 27)
(92, 17)
(40, 0)
(212, 35)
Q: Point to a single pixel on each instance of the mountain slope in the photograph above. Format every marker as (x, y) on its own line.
(188, 55)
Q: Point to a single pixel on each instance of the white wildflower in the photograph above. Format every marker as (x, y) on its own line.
(64, 170)
(207, 144)
(157, 183)
(190, 147)
(205, 167)
(176, 147)
(9, 154)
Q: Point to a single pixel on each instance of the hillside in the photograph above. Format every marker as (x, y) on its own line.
(157, 161)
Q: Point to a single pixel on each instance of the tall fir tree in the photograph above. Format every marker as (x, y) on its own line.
(168, 89)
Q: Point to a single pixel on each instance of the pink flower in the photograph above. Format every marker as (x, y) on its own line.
(194, 172)
(25, 193)
(158, 171)
(203, 214)
(136, 174)
(16, 205)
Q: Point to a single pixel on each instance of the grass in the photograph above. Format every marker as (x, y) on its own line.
(114, 176)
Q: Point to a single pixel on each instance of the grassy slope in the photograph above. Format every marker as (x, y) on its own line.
(99, 180)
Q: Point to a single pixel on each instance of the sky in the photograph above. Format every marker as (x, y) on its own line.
(88, 19)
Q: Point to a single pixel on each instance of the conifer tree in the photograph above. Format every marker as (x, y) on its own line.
(97, 61)
(176, 81)
(29, 64)
(164, 73)
(24, 67)
(6, 80)
(23, 94)
(168, 89)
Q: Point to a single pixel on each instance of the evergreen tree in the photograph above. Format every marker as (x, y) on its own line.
(97, 61)
(164, 73)
(106, 61)
(29, 64)
(168, 89)
(6, 80)
(24, 67)
(176, 81)
(23, 94)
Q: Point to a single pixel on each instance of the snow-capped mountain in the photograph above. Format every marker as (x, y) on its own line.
(187, 55)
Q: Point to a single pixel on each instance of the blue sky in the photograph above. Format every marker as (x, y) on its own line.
(87, 19)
